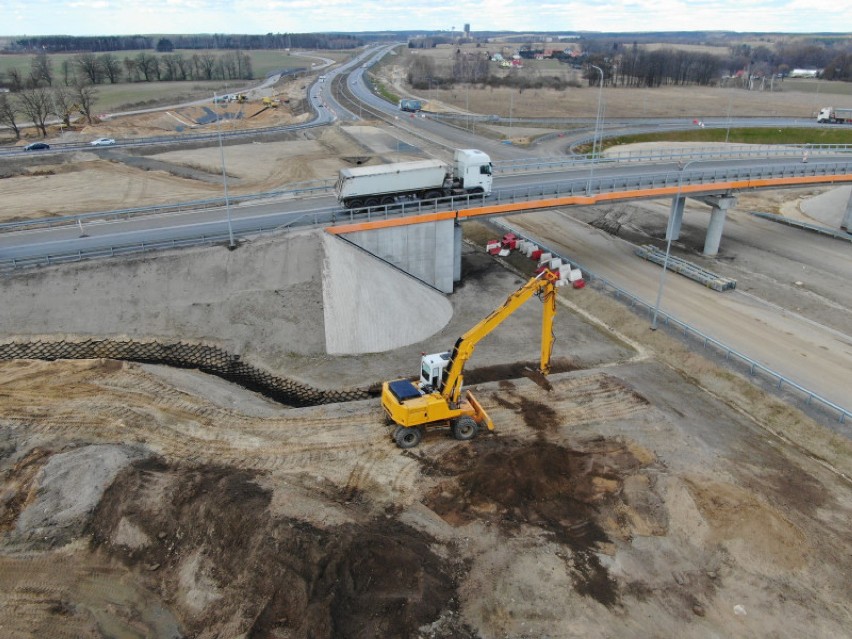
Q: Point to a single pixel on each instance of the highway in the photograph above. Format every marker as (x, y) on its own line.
(102, 236)
(817, 356)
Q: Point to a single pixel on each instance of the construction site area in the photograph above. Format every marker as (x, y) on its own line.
(643, 489)
(622, 498)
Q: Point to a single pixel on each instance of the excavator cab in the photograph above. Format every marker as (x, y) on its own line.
(432, 371)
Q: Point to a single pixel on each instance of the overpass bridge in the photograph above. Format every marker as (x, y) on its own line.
(425, 239)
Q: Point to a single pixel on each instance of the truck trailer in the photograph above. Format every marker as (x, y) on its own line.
(833, 115)
(470, 174)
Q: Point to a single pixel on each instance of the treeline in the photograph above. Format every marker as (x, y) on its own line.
(636, 65)
(102, 44)
(92, 68)
(43, 91)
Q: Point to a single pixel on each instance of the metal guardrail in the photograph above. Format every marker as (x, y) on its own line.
(296, 189)
(753, 366)
(673, 154)
(501, 167)
(822, 230)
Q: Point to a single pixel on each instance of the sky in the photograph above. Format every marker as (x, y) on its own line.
(127, 17)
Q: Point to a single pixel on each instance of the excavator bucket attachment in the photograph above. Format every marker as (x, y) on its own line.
(479, 413)
(538, 377)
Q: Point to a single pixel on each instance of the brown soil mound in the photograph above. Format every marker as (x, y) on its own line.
(244, 572)
(570, 494)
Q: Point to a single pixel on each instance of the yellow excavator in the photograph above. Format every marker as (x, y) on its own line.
(435, 399)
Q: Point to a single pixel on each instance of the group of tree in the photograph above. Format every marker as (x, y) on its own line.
(635, 65)
(43, 92)
(145, 66)
(39, 103)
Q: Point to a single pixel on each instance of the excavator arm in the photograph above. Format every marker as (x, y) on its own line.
(543, 286)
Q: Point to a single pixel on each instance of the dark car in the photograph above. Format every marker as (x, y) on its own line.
(37, 146)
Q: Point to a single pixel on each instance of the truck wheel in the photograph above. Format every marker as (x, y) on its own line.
(355, 204)
(388, 199)
(371, 201)
(433, 195)
(408, 437)
(465, 428)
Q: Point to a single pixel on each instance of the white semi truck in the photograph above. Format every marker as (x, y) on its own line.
(385, 184)
(834, 115)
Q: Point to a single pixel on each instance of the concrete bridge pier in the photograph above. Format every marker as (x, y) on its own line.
(846, 224)
(720, 204)
(675, 218)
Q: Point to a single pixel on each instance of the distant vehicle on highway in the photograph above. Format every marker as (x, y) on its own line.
(37, 146)
(102, 142)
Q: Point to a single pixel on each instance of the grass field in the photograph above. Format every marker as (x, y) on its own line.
(836, 135)
(137, 95)
(262, 61)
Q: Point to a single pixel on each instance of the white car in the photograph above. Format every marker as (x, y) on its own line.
(102, 142)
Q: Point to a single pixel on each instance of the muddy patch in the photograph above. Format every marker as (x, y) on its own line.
(244, 572)
(516, 370)
(576, 496)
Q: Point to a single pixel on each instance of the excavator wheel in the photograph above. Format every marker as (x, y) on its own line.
(465, 428)
(408, 437)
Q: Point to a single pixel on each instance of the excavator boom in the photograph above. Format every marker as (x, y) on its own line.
(437, 400)
(543, 285)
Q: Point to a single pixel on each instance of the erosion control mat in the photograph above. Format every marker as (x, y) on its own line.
(205, 535)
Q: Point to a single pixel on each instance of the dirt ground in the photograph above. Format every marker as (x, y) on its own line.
(647, 493)
(623, 501)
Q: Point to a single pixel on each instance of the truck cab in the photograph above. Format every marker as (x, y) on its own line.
(472, 169)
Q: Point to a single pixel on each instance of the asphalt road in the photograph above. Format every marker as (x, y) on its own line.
(814, 355)
(817, 356)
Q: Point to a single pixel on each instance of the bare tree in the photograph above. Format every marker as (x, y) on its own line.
(111, 67)
(148, 65)
(169, 65)
(184, 67)
(37, 105)
(67, 67)
(41, 69)
(16, 79)
(85, 95)
(64, 105)
(131, 68)
(90, 67)
(206, 64)
(8, 114)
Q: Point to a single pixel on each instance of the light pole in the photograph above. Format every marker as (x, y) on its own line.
(728, 129)
(597, 127)
(669, 233)
(231, 244)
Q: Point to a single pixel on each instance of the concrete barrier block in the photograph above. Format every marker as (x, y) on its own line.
(545, 258)
(575, 275)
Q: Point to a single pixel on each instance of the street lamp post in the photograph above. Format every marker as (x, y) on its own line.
(231, 244)
(597, 127)
(669, 233)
